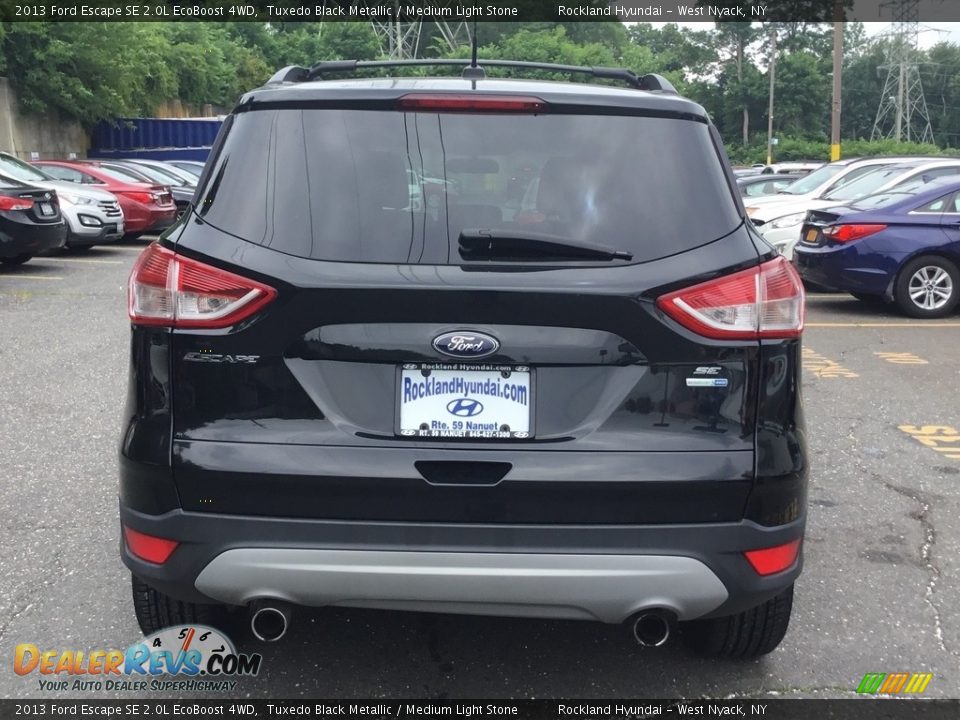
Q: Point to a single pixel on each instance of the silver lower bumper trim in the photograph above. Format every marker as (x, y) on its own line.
(609, 588)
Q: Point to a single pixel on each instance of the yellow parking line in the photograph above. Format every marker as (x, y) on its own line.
(890, 324)
(824, 367)
(901, 358)
(30, 277)
(933, 436)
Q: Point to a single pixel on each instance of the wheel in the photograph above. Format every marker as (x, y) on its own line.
(16, 259)
(79, 248)
(928, 287)
(746, 635)
(869, 299)
(156, 611)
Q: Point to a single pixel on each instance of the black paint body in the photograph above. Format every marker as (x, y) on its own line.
(300, 447)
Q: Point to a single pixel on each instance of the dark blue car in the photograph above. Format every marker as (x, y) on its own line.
(902, 246)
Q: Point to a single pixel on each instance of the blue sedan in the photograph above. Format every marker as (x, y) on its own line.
(902, 246)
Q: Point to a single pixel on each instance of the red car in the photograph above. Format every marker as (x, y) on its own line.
(146, 207)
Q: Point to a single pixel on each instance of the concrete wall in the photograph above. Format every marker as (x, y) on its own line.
(49, 136)
(177, 109)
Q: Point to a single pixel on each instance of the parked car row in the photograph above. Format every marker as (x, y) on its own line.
(82, 203)
(791, 168)
(886, 230)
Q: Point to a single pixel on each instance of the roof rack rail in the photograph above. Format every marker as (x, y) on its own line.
(650, 82)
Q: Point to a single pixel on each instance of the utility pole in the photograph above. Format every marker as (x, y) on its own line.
(837, 86)
(400, 39)
(902, 113)
(773, 72)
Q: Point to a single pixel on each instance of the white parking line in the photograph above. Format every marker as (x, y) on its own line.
(30, 277)
(918, 325)
(80, 260)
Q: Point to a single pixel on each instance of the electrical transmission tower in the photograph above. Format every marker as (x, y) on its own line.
(902, 113)
(400, 40)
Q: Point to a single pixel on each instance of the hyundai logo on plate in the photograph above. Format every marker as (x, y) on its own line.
(464, 407)
(463, 344)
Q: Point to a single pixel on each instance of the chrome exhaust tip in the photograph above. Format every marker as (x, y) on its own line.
(651, 629)
(269, 621)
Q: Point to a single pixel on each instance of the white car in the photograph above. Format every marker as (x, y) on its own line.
(791, 167)
(780, 222)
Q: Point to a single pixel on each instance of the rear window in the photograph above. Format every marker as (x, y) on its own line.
(393, 187)
(866, 185)
(814, 180)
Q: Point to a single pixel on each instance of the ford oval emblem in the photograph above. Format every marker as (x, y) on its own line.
(465, 344)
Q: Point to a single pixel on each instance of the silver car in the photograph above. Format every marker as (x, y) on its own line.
(93, 216)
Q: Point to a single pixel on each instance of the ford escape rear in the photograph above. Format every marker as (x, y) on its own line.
(562, 382)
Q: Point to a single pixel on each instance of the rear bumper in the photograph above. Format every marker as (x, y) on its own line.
(81, 235)
(605, 573)
(609, 588)
(22, 239)
(853, 268)
(160, 221)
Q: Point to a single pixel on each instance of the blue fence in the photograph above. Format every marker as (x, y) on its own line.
(157, 138)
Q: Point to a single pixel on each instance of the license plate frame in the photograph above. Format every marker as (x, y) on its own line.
(476, 372)
(46, 209)
(811, 236)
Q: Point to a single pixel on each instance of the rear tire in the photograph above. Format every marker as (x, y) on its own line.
(155, 610)
(16, 259)
(743, 636)
(928, 287)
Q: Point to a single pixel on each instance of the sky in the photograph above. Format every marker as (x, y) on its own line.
(930, 32)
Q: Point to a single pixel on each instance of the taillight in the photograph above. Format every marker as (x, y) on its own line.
(774, 559)
(471, 103)
(12, 203)
(143, 197)
(766, 301)
(153, 549)
(175, 291)
(848, 233)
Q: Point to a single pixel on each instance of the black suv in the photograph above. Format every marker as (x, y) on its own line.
(467, 345)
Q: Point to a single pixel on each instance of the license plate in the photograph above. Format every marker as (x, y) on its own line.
(811, 236)
(465, 401)
(46, 209)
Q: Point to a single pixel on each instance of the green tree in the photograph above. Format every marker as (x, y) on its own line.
(89, 71)
(802, 87)
(740, 73)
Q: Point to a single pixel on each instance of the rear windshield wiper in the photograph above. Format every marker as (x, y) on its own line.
(509, 245)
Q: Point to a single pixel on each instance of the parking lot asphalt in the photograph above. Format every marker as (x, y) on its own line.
(880, 591)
